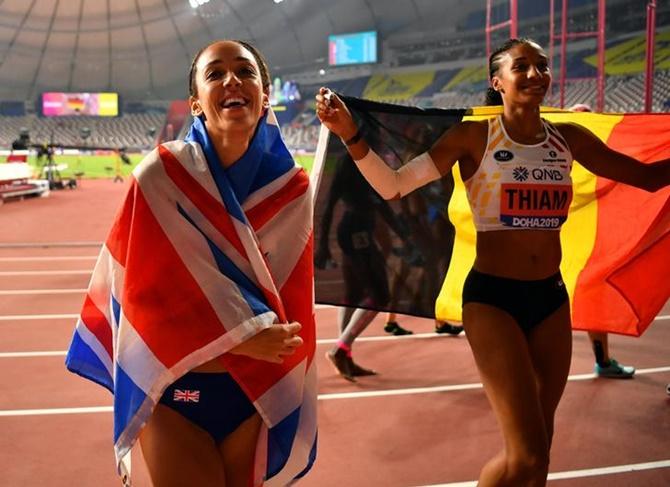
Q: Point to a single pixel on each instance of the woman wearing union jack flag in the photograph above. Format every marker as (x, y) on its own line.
(199, 317)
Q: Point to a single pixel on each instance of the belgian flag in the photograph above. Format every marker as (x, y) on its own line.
(411, 256)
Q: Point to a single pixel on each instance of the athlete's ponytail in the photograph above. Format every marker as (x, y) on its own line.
(493, 97)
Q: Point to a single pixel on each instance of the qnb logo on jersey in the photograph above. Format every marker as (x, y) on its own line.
(520, 173)
(545, 174)
(534, 205)
(503, 155)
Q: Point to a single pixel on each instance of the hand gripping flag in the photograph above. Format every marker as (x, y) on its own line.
(199, 259)
(412, 256)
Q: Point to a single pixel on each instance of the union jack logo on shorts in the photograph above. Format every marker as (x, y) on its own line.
(186, 395)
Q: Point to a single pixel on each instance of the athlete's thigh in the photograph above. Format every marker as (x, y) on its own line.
(178, 453)
(238, 450)
(501, 353)
(550, 345)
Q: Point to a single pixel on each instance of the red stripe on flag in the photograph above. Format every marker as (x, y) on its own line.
(625, 281)
(209, 206)
(120, 233)
(255, 376)
(157, 307)
(97, 324)
(264, 211)
(298, 297)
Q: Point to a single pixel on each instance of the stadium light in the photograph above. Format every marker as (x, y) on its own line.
(197, 3)
(278, 1)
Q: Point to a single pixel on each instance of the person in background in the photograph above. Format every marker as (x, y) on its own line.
(364, 241)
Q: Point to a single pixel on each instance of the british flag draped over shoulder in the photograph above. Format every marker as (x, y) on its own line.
(199, 259)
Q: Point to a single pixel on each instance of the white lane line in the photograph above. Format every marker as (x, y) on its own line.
(45, 273)
(37, 317)
(48, 259)
(320, 342)
(321, 397)
(40, 245)
(44, 412)
(53, 353)
(383, 338)
(458, 387)
(22, 292)
(588, 472)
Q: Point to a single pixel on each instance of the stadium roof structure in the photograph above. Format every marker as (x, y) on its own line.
(143, 48)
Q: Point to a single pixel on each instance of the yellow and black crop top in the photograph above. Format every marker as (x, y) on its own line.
(520, 186)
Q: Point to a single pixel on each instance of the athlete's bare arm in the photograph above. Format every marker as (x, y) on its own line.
(597, 157)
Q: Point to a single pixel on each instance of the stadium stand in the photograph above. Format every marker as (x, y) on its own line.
(130, 130)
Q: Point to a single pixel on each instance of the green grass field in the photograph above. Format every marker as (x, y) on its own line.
(104, 166)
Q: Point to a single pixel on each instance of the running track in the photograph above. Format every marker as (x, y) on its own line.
(423, 421)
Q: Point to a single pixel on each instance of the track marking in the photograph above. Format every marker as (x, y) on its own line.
(48, 259)
(44, 412)
(21, 292)
(318, 306)
(321, 397)
(45, 273)
(41, 245)
(38, 317)
(55, 316)
(54, 353)
(588, 472)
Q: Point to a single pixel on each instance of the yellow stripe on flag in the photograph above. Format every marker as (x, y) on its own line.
(578, 234)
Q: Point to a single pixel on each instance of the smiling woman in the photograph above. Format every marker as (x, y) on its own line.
(217, 316)
(229, 88)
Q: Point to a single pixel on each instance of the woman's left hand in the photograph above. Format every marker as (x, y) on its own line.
(272, 344)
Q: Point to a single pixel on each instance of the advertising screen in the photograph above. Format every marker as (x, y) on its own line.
(355, 48)
(69, 104)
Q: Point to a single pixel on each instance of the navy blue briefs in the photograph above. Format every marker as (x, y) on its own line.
(212, 401)
(528, 302)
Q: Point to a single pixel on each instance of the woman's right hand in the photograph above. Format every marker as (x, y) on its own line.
(272, 344)
(334, 114)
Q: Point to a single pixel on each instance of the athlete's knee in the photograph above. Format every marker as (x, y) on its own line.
(530, 469)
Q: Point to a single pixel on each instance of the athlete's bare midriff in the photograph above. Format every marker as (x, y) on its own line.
(519, 254)
(213, 366)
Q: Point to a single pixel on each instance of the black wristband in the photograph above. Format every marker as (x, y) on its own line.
(357, 136)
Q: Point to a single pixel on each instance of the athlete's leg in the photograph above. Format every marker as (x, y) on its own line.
(178, 453)
(343, 316)
(550, 345)
(238, 451)
(360, 319)
(505, 366)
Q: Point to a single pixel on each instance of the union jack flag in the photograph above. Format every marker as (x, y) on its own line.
(182, 279)
(186, 395)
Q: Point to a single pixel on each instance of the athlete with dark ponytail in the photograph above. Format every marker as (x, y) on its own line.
(515, 306)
